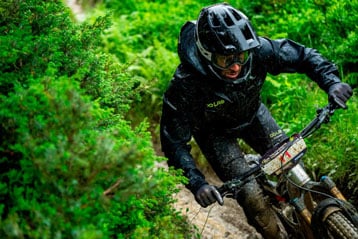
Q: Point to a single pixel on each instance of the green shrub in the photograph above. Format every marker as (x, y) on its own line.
(68, 159)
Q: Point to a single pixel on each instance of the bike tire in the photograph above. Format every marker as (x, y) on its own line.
(340, 227)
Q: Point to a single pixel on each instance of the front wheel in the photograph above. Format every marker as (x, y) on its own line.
(335, 219)
(340, 227)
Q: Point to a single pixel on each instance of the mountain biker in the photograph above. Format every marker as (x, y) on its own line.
(214, 96)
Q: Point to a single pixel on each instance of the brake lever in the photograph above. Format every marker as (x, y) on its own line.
(338, 103)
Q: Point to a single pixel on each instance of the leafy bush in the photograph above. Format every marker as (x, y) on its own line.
(68, 159)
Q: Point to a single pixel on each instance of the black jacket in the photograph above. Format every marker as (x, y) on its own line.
(195, 100)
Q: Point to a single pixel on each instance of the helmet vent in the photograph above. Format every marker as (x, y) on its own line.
(236, 15)
(247, 33)
(228, 21)
(215, 21)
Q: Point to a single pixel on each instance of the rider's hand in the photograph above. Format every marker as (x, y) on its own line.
(208, 194)
(339, 93)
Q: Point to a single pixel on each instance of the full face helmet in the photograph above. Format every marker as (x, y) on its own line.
(224, 35)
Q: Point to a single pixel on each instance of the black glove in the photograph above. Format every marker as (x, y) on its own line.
(339, 93)
(208, 194)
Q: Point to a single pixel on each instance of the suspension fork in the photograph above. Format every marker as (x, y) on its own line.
(328, 183)
(304, 202)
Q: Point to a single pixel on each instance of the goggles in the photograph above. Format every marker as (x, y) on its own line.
(225, 61)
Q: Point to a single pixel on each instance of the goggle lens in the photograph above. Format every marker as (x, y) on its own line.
(225, 61)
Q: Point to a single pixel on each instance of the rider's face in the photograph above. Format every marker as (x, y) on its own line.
(231, 65)
(232, 72)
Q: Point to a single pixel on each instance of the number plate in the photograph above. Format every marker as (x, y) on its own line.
(284, 157)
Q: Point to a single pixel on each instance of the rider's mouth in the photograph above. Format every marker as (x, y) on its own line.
(231, 74)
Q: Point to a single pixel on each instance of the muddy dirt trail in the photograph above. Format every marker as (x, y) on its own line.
(215, 222)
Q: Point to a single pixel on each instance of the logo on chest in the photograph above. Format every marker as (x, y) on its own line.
(215, 104)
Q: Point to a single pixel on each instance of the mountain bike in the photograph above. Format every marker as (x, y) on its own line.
(308, 209)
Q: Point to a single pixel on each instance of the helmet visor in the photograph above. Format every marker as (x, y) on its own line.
(225, 61)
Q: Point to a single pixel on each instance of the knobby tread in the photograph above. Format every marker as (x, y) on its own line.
(341, 227)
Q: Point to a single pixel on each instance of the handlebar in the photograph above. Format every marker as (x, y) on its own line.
(322, 117)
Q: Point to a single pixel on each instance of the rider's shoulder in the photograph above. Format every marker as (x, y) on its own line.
(186, 75)
(182, 72)
(267, 46)
(184, 83)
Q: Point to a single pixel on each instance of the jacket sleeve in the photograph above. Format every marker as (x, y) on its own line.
(287, 56)
(175, 134)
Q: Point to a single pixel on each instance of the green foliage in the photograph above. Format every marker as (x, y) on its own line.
(144, 35)
(333, 150)
(325, 25)
(68, 159)
(148, 217)
(71, 166)
(55, 185)
(34, 43)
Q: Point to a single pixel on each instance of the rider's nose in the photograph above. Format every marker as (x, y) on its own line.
(235, 67)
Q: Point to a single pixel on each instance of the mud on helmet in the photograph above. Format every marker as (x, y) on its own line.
(223, 30)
